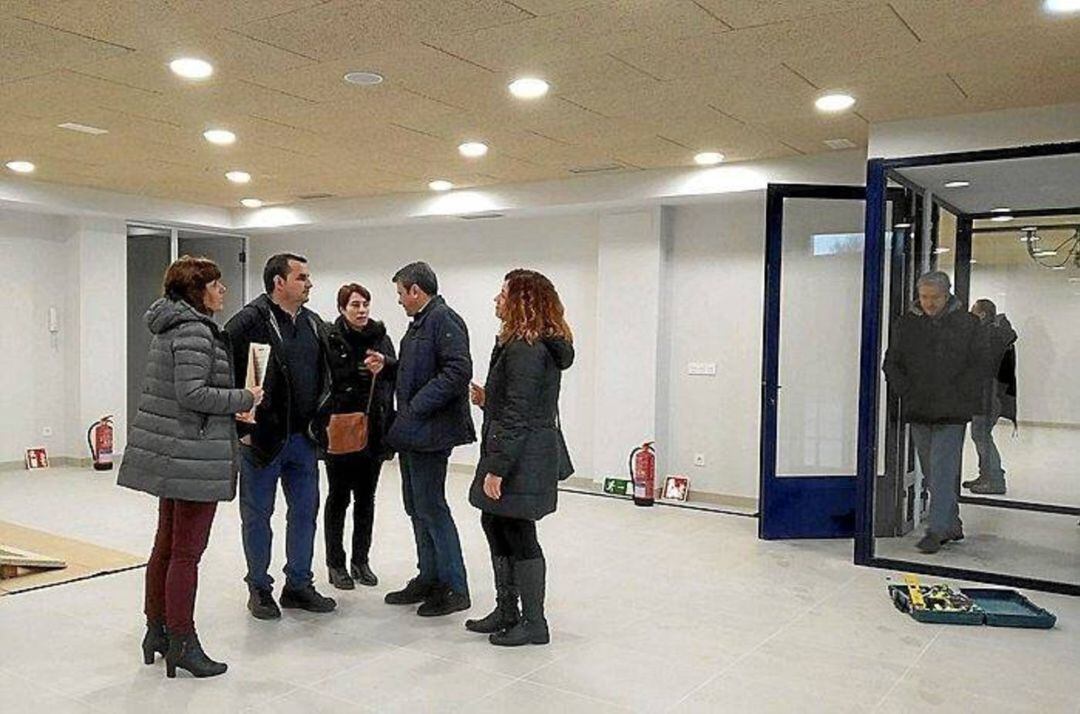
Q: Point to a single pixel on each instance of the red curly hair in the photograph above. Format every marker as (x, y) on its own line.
(533, 310)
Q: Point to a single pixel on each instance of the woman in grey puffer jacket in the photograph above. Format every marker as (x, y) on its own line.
(182, 449)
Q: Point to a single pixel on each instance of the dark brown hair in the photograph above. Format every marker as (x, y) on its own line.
(187, 278)
(533, 309)
(345, 292)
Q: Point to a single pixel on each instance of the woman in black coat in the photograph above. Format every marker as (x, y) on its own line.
(522, 452)
(362, 370)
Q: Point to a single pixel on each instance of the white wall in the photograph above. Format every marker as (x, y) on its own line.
(67, 380)
(470, 259)
(971, 132)
(33, 384)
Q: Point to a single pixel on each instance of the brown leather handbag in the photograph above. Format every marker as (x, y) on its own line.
(348, 433)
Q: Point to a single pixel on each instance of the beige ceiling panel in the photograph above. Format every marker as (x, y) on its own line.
(903, 97)
(992, 54)
(710, 131)
(1050, 82)
(233, 56)
(346, 27)
(552, 7)
(229, 13)
(378, 105)
(809, 135)
(940, 20)
(596, 29)
(849, 37)
(28, 49)
(748, 13)
(133, 24)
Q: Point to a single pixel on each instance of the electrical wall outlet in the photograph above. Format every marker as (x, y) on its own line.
(46, 431)
(707, 369)
(699, 459)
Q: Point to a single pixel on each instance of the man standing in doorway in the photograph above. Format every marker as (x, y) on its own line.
(998, 396)
(434, 370)
(935, 363)
(278, 445)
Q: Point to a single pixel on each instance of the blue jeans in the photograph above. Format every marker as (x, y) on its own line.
(982, 433)
(297, 468)
(940, 447)
(438, 549)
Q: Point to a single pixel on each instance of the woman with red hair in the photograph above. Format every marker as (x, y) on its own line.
(522, 452)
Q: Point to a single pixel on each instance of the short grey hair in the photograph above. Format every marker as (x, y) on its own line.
(938, 279)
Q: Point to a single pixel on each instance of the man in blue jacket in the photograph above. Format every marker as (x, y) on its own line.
(433, 416)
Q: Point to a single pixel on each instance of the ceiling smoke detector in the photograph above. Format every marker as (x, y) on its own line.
(363, 78)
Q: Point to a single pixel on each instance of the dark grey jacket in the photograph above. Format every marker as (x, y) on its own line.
(183, 438)
(522, 440)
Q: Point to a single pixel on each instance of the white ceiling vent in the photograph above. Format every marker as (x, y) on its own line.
(839, 144)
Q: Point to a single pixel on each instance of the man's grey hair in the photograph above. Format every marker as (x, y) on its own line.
(938, 279)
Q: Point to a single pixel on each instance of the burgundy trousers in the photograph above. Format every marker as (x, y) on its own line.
(172, 575)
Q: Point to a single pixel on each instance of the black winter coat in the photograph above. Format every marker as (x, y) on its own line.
(350, 381)
(183, 442)
(434, 369)
(937, 365)
(999, 389)
(256, 322)
(522, 439)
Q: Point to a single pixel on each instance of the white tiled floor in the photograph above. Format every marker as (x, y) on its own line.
(651, 610)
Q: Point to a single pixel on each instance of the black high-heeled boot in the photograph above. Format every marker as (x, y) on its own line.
(186, 652)
(155, 640)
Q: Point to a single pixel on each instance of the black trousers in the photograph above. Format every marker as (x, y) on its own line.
(352, 477)
(511, 537)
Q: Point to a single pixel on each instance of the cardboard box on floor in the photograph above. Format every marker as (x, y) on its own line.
(83, 559)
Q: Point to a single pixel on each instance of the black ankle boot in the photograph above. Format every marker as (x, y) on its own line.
(186, 652)
(155, 640)
(529, 577)
(506, 614)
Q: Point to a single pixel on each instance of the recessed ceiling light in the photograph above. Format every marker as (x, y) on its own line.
(529, 88)
(1001, 219)
(251, 202)
(440, 185)
(83, 128)
(957, 184)
(364, 78)
(708, 158)
(473, 149)
(191, 68)
(21, 167)
(238, 176)
(1062, 5)
(219, 136)
(834, 102)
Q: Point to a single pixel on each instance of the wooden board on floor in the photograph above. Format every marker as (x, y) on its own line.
(83, 560)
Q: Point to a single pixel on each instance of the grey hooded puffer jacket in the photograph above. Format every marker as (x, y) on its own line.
(183, 439)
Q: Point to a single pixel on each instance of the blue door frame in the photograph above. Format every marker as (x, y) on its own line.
(802, 506)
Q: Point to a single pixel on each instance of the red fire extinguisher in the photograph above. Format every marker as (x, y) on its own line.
(100, 439)
(643, 474)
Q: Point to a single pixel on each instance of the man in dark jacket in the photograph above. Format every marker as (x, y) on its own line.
(998, 396)
(433, 416)
(935, 362)
(278, 445)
